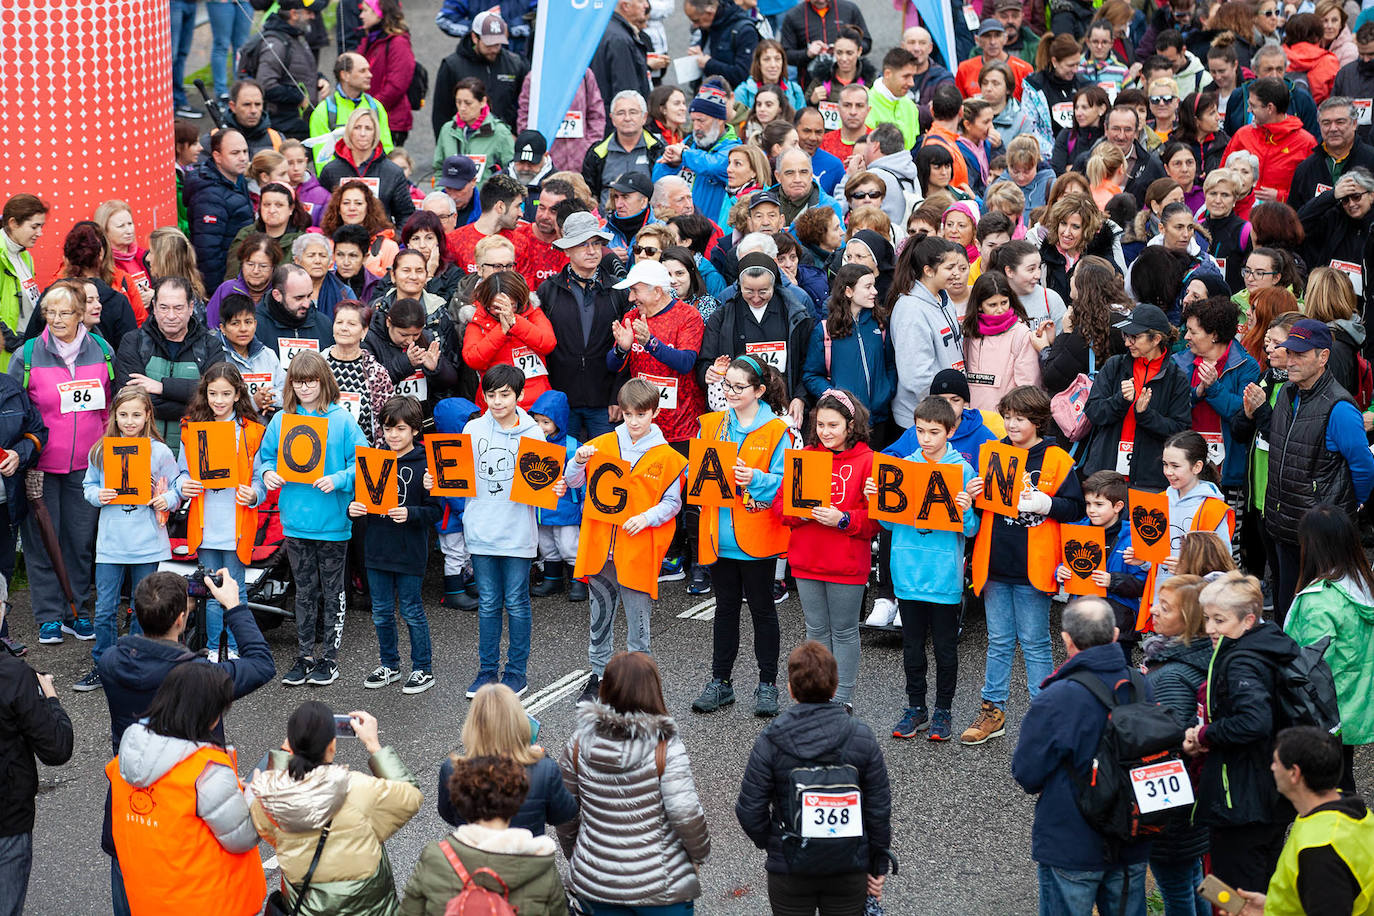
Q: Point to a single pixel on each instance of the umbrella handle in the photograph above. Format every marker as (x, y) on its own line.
(33, 484)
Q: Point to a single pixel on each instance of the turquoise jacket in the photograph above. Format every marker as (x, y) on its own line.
(929, 565)
(307, 512)
(763, 489)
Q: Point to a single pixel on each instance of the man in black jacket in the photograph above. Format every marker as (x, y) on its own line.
(1337, 154)
(247, 114)
(287, 69)
(622, 59)
(287, 322)
(809, 29)
(1142, 166)
(482, 53)
(725, 38)
(32, 724)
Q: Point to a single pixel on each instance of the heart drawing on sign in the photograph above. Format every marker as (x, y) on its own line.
(1082, 558)
(1150, 523)
(539, 471)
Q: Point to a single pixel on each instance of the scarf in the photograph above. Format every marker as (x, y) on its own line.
(1141, 372)
(993, 325)
(481, 119)
(1157, 644)
(669, 136)
(67, 351)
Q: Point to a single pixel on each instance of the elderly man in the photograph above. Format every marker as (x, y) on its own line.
(1271, 62)
(725, 38)
(701, 158)
(854, 109)
(1059, 738)
(629, 148)
(352, 80)
(929, 75)
(827, 167)
(483, 54)
(629, 211)
(887, 98)
(672, 197)
(442, 206)
(797, 189)
(1275, 136)
(763, 216)
(531, 165)
(1338, 153)
(1142, 166)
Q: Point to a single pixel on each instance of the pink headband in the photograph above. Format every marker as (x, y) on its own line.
(840, 396)
(375, 6)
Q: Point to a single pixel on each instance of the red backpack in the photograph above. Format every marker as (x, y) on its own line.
(474, 899)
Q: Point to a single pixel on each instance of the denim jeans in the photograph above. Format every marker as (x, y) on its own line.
(183, 13)
(1177, 882)
(1016, 613)
(109, 580)
(503, 583)
(214, 611)
(16, 859)
(588, 422)
(391, 592)
(229, 28)
(1073, 893)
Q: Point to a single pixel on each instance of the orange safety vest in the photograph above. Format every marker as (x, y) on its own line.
(245, 517)
(942, 137)
(1207, 517)
(637, 557)
(1042, 540)
(170, 859)
(759, 531)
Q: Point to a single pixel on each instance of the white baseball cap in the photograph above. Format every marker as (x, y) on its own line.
(649, 272)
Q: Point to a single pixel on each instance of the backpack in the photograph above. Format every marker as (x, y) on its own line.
(27, 354)
(474, 899)
(419, 87)
(1305, 690)
(911, 194)
(250, 53)
(1137, 784)
(820, 820)
(1068, 407)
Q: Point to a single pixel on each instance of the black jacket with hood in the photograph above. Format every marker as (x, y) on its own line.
(503, 78)
(31, 725)
(1169, 412)
(275, 322)
(576, 368)
(730, 42)
(288, 74)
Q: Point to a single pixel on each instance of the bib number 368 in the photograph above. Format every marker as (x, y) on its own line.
(831, 814)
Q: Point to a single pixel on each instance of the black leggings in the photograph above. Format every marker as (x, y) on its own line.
(1285, 578)
(806, 895)
(733, 582)
(941, 621)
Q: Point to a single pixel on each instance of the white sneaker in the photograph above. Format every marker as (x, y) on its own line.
(213, 655)
(897, 619)
(233, 653)
(884, 609)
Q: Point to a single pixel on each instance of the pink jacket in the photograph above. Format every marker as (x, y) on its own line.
(70, 435)
(393, 65)
(567, 154)
(995, 365)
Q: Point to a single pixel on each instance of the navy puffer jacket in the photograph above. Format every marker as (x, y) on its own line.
(216, 209)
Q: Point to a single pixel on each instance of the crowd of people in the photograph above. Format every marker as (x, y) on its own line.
(1125, 246)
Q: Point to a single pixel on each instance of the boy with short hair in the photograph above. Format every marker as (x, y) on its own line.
(1105, 494)
(558, 527)
(624, 562)
(502, 535)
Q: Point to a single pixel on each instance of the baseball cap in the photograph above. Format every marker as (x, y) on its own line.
(1307, 334)
(950, 381)
(1144, 318)
(491, 28)
(636, 182)
(1008, 5)
(530, 146)
(315, 6)
(458, 173)
(645, 271)
(578, 228)
(759, 198)
(991, 25)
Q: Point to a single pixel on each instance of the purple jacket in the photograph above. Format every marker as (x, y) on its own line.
(567, 154)
(314, 197)
(228, 288)
(70, 435)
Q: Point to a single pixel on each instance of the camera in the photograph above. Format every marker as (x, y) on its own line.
(195, 582)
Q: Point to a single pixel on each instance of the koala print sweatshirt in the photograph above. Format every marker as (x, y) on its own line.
(492, 524)
(403, 547)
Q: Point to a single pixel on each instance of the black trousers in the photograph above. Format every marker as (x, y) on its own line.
(1289, 557)
(828, 895)
(735, 581)
(1246, 856)
(941, 623)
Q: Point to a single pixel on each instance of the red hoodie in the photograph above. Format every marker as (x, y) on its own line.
(1319, 64)
(818, 551)
(1280, 147)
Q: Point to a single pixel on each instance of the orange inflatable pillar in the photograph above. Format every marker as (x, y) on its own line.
(86, 112)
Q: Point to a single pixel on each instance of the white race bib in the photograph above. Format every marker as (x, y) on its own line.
(1123, 458)
(1323, 188)
(480, 162)
(667, 389)
(1221, 263)
(1216, 448)
(830, 115)
(831, 814)
(1111, 89)
(1063, 114)
(1353, 271)
(688, 176)
(971, 18)
(352, 402)
(81, 396)
(529, 362)
(288, 347)
(415, 386)
(256, 381)
(1363, 106)
(1160, 786)
(373, 184)
(772, 352)
(32, 291)
(570, 127)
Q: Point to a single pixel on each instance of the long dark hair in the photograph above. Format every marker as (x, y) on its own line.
(1188, 130)
(309, 731)
(921, 251)
(696, 286)
(1100, 288)
(1331, 549)
(838, 321)
(190, 702)
(198, 411)
(761, 375)
(503, 281)
(992, 283)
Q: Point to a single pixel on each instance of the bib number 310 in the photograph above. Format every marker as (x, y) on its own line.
(831, 814)
(1161, 786)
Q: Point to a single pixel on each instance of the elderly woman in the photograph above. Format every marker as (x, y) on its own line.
(359, 154)
(315, 253)
(1218, 369)
(64, 352)
(258, 257)
(280, 217)
(1337, 223)
(364, 383)
(1246, 166)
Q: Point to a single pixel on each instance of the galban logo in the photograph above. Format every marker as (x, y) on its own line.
(141, 802)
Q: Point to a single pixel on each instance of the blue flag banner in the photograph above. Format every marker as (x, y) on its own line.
(566, 36)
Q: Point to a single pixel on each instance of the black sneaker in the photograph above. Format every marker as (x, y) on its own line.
(718, 693)
(90, 682)
(592, 691)
(766, 700)
(779, 591)
(299, 672)
(326, 671)
(700, 583)
(381, 676)
(418, 682)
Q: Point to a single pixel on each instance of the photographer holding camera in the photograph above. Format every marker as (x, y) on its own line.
(135, 667)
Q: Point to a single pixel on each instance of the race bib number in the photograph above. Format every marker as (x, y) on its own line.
(32, 291)
(1353, 271)
(1161, 786)
(1323, 188)
(415, 386)
(529, 362)
(667, 389)
(570, 127)
(1123, 458)
(257, 381)
(288, 347)
(1362, 107)
(81, 395)
(481, 163)
(352, 402)
(772, 352)
(831, 814)
(830, 115)
(373, 184)
(1216, 448)
(1111, 89)
(1063, 114)
(971, 18)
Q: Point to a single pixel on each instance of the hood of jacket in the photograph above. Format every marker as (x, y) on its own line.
(899, 163)
(1190, 501)
(630, 730)
(554, 405)
(300, 806)
(1104, 660)
(1280, 131)
(452, 414)
(1356, 595)
(1352, 327)
(631, 452)
(277, 23)
(145, 756)
(807, 731)
(1304, 56)
(140, 663)
(1011, 115)
(513, 841)
(737, 428)
(1264, 638)
(256, 132)
(1195, 653)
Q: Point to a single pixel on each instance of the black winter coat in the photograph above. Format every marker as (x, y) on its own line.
(1174, 676)
(1064, 359)
(815, 733)
(274, 323)
(216, 209)
(260, 136)
(22, 431)
(621, 61)
(147, 344)
(1331, 234)
(1170, 411)
(731, 326)
(730, 42)
(503, 78)
(1083, 139)
(397, 364)
(1147, 169)
(802, 24)
(30, 726)
(393, 187)
(284, 44)
(1056, 272)
(1315, 170)
(576, 368)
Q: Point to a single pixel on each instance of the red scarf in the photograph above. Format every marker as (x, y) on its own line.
(1141, 372)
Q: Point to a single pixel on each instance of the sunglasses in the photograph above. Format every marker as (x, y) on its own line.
(866, 195)
(645, 249)
(1161, 99)
(1268, 13)
(1349, 198)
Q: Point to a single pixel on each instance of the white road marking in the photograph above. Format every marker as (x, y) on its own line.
(565, 686)
(706, 610)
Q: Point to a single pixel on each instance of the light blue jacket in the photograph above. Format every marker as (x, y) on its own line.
(131, 534)
(492, 524)
(763, 488)
(929, 565)
(306, 512)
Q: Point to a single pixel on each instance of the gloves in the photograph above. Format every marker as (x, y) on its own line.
(1034, 501)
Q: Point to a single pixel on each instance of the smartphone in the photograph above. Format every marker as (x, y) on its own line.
(534, 729)
(343, 727)
(1220, 894)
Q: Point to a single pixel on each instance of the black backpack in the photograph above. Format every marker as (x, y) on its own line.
(1139, 736)
(250, 52)
(821, 817)
(419, 87)
(1305, 690)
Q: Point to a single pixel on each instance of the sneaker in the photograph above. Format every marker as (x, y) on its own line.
(577, 590)
(212, 656)
(700, 583)
(483, 679)
(779, 591)
(81, 628)
(897, 619)
(991, 723)
(233, 654)
(515, 682)
(380, 677)
(90, 682)
(766, 700)
(671, 570)
(940, 726)
(418, 682)
(15, 647)
(189, 113)
(298, 673)
(718, 693)
(50, 634)
(913, 720)
(326, 671)
(592, 691)
(884, 609)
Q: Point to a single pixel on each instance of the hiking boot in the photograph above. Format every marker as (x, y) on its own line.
(672, 570)
(483, 679)
(455, 597)
(940, 726)
(913, 720)
(577, 590)
(592, 691)
(326, 671)
(718, 693)
(700, 583)
(81, 628)
(418, 682)
(50, 634)
(299, 672)
(381, 676)
(90, 682)
(779, 591)
(991, 723)
(516, 682)
(766, 700)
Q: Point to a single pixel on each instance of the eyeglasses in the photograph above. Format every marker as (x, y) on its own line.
(510, 266)
(1352, 198)
(1250, 273)
(646, 250)
(866, 195)
(66, 315)
(1162, 99)
(731, 388)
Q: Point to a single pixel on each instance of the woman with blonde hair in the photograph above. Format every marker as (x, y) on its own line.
(1201, 553)
(1330, 298)
(359, 154)
(130, 261)
(1336, 36)
(267, 167)
(170, 254)
(746, 171)
(1106, 173)
(497, 726)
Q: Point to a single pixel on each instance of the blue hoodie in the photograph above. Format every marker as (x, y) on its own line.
(554, 405)
(929, 565)
(305, 511)
(450, 416)
(968, 439)
(869, 372)
(763, 489)
(132, 534)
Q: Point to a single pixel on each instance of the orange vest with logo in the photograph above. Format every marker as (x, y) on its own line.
(1207, 517)
(245, 517)
(637, 557)
(1042, 540)
(171, 861)
(759, 531)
